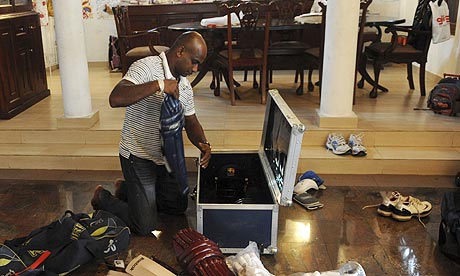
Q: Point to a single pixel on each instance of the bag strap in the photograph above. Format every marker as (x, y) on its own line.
(37, 262)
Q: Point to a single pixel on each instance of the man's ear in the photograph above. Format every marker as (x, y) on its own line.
(180, 51)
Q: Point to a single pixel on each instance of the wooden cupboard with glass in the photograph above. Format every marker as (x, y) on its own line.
(22, 66)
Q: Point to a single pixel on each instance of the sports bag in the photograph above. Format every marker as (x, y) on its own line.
(444, 98)
(449, 228)
(65, 244)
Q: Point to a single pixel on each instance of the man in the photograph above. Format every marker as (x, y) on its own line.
(148, 187)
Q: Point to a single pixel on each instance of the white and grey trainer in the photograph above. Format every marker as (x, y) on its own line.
(356, 144)
(337, 144)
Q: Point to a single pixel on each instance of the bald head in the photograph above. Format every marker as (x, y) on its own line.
(189, 39)
(187, 52)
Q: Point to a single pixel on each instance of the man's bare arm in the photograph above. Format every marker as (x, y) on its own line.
(126, 93)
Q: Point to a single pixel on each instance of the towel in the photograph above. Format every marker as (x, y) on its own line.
(220, 20)
(311, 18)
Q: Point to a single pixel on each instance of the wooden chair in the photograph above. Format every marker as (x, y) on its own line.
(313, 57)
(287, 53)
(243, 48)
(134, 45)
(416, 49)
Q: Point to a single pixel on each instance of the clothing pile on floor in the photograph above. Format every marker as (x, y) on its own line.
(309, 182)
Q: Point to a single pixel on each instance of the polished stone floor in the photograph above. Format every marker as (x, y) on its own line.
(307, 240)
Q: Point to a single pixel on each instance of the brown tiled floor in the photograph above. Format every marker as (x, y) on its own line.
(307, 240)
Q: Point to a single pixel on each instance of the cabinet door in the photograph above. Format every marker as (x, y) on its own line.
(9, 95)
(24, 58)
(36, 54)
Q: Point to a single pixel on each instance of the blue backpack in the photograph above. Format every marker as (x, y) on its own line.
(65, 245)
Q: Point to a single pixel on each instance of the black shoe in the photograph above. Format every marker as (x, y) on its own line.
(457, 179)
(96, 200)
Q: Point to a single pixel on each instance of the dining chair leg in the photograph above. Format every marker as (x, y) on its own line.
(231, 87)
(217, 75)
(296, 78)
(255, 85)
(410, 76)
(263, 83)
(377, 66)
(422, 79)
(299, 90)
(245, 78)
(311, 86)
(213, 82)
(360, 83)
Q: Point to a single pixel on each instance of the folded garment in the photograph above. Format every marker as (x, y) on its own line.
(308, 201)
(220, 20)
(310, 18)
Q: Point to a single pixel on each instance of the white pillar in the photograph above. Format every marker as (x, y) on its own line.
(339, 64)
(73, 64)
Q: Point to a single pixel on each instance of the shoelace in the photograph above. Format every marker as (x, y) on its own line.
(359, 139)
(416, 202)
(394, 194)
(339, 139)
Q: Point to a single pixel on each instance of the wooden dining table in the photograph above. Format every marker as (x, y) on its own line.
(213, 35)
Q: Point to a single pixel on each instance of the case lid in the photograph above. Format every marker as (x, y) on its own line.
(280, 147)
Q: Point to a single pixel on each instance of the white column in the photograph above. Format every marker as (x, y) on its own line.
(341, 36)
(73, 64)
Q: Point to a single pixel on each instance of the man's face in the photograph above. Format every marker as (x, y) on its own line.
(189, 60)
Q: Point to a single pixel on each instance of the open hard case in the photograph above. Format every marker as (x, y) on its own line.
(239, 193)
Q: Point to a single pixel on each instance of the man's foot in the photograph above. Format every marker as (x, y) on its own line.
(96, 200)
(118, 184)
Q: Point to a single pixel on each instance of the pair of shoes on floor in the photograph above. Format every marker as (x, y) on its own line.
(337, 144)
(403, 208)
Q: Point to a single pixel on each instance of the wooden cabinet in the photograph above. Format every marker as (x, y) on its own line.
(144, 17)
(22, 67)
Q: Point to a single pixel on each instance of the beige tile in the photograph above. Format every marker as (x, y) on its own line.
(410, 139)
(13, 137)
(420, 153)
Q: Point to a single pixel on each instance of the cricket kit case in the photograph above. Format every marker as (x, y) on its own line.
(239, 193)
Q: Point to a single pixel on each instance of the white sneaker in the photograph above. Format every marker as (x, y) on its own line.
(388, 205)
(337, 144)
(356, 144)
(411, 207)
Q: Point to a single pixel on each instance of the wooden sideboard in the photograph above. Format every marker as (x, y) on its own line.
(145, 17)
(22, 67)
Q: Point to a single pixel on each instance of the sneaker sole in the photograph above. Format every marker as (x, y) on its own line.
(337, 152)
(407, 218)
(359, 154)
(384, 213)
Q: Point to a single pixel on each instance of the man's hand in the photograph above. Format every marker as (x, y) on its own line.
(205, 154)
(172, 88)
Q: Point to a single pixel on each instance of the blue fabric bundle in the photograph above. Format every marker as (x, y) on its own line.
(172, 121)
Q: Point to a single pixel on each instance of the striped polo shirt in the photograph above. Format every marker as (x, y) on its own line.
(140, 134)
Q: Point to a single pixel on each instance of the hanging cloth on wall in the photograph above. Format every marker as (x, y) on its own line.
(440, 21)
(42, 8)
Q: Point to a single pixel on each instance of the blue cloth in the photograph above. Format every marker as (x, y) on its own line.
(311, 175)
(172, 121)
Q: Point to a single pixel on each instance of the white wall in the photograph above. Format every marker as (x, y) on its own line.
(385, 7)
(97, 32)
